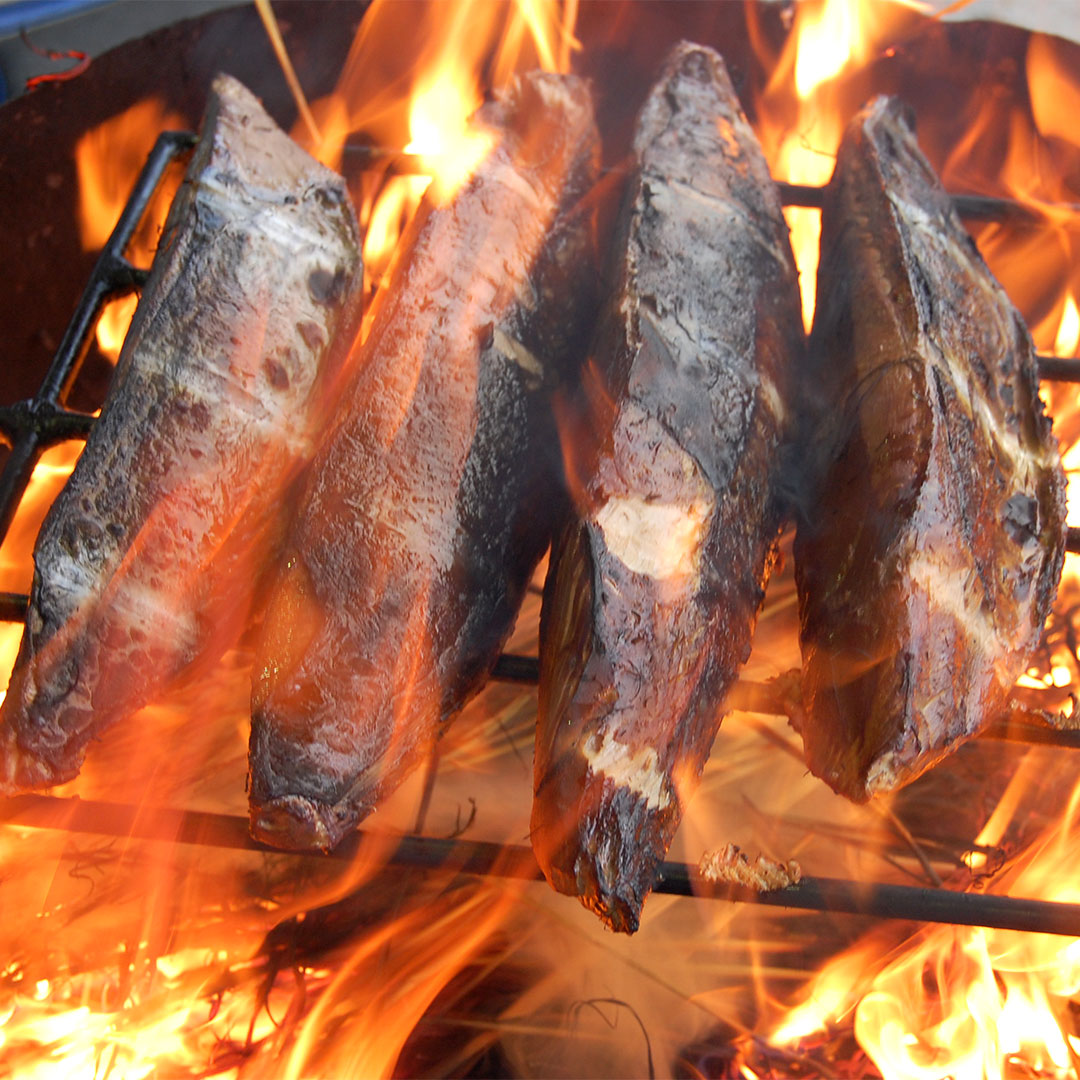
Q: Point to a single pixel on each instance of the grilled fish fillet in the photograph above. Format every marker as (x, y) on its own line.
(147, 560)
(930, 555)
(655, 584)
(429, 502)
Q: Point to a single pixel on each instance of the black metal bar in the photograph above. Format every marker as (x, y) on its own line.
(906, 902)
(30, 426)
(488, 859)
(1020, 731)
(112, 273)
(1072, 540)
(972, 207)
(13, 606)
(362, 155)
(52, 424)
(18, 469)
(517, 669)
(1059, 368)
(800, 195)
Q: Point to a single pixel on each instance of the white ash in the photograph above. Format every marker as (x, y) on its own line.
(729, 864)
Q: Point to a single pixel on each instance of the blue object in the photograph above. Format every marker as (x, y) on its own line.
(30, 13)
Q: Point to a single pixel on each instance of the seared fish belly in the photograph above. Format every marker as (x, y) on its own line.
(930, 555)
(655, 585)
(428, 504)
(147, 560)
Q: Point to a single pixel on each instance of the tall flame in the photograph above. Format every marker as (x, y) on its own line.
(957, 1003)
(187, 960)
(800, 144)
(960, 1003)
(50, 474)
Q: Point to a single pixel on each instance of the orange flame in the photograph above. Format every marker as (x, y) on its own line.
(191, 984)
(186, 929)
(49, 476)
(421, 101)
(1067, 341)
(826, 40)
(962, 1003)
(1038, 266)
(953, 1002)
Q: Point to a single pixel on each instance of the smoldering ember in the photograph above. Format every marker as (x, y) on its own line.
(435, 462)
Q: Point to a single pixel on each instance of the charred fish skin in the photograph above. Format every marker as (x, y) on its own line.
(929, 561)
(429, 503)
(655, 582)
(147, 560)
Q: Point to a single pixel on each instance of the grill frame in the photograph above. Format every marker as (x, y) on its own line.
(31, 426)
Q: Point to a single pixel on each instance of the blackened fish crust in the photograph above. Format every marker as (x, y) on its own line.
(929, 556)
(147, 561)
(656, 582)
(430, 501)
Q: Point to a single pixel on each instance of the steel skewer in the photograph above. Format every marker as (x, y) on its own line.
(488, 859)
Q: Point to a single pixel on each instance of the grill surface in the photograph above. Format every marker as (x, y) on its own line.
(29, 427)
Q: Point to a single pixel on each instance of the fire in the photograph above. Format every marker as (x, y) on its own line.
(826, 40)
(954, 1002)
(422, 102)
(164, 957)
(107, 159)
(800, 139)
(51, 472)
(1028, 154)
(1067, 341)
(965, 1003)
(130, 956)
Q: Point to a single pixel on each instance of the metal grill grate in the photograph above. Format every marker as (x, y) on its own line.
(29, 427)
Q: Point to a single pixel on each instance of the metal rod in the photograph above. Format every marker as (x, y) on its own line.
(362, 155)
(52, 424)
(30, 426)
(112, 272)
(1021, 731)
(972, 207)
(13, 606)
(488, 859)
(18, 469)
(517, 669)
